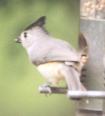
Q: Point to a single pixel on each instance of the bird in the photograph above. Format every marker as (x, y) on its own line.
(54, 58)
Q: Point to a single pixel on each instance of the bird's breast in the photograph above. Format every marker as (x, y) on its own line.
(51, 71)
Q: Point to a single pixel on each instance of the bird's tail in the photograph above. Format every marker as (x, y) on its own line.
(72, 78)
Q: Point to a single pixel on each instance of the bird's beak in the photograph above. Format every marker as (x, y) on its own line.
(17, 40)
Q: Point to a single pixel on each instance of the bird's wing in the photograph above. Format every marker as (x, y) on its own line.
(61, 51)
(51, 50)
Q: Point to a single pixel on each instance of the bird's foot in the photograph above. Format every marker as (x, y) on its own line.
(45, 88)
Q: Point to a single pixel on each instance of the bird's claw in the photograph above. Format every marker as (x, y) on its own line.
(45, 88)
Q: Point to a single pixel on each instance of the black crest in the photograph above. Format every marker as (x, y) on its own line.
(39, 22)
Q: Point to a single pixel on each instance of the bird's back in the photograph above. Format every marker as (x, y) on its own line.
(50, 49)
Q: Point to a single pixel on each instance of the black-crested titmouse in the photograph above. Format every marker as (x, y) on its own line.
(54, 58)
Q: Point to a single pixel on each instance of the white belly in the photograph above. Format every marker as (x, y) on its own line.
(51, 71)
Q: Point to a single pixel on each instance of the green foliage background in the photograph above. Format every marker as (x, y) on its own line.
(19, 79)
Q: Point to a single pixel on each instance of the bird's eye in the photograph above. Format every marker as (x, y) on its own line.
(25, 34)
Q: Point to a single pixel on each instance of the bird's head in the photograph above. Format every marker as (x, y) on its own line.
(32, 32)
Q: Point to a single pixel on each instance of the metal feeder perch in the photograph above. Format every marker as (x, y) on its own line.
(72, 94)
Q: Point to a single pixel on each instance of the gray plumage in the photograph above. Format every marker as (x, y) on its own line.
(42, 48)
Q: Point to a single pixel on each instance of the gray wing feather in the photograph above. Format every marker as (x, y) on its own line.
(53, 50)
(61, 51)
